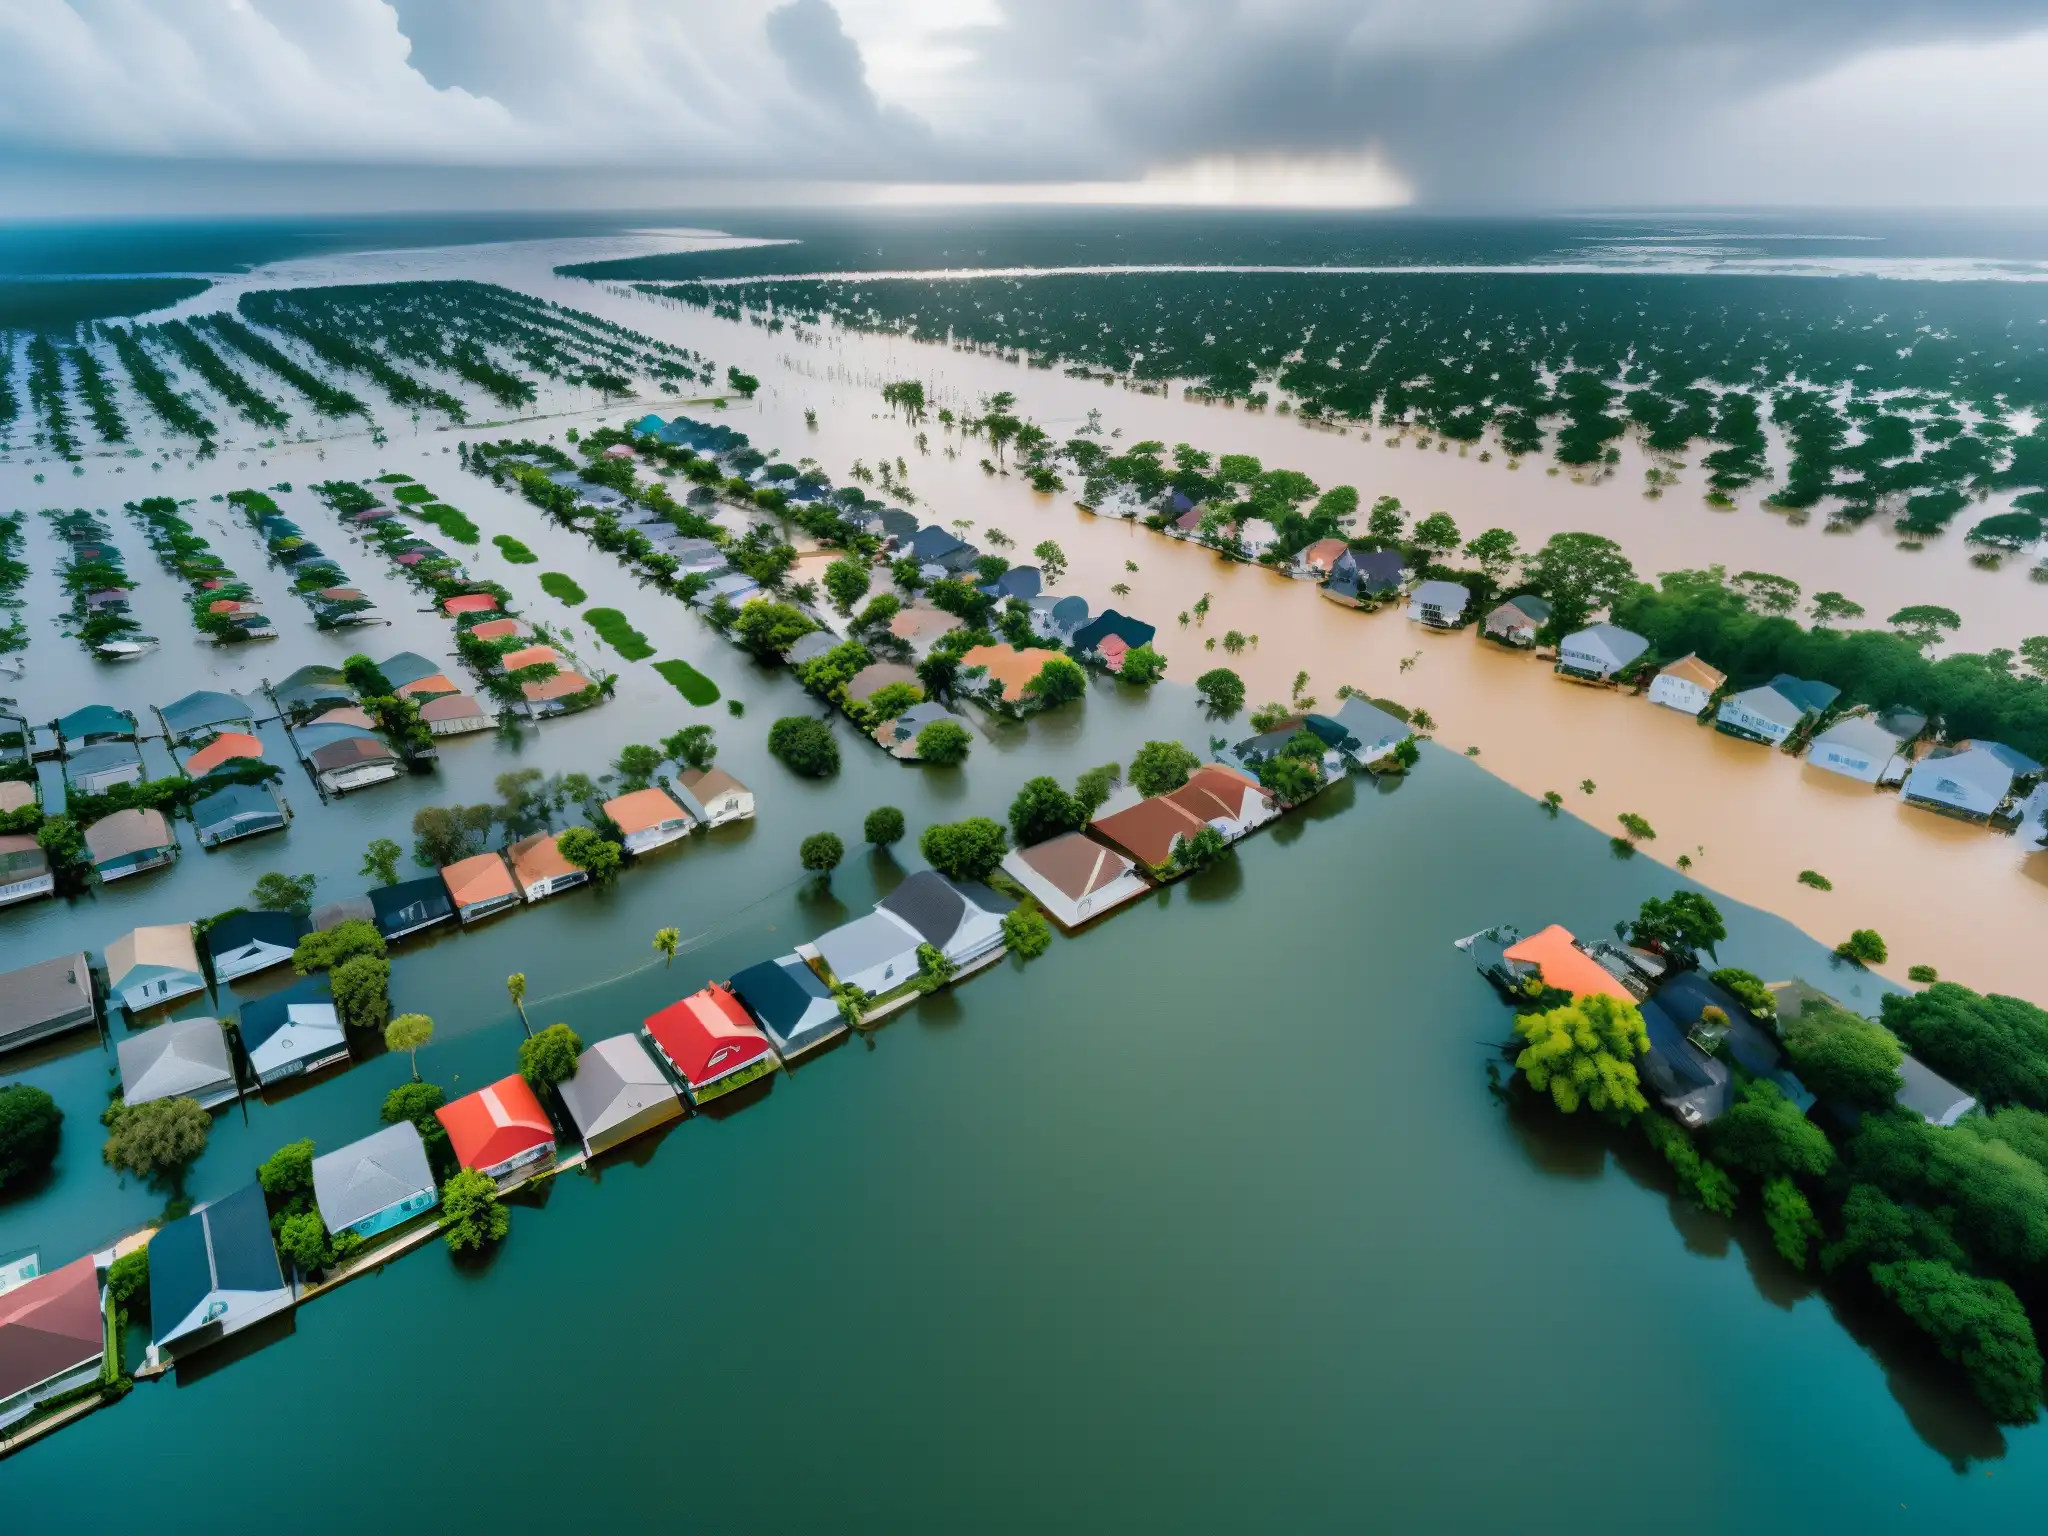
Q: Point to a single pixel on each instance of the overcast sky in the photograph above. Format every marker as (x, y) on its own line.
(231, 105)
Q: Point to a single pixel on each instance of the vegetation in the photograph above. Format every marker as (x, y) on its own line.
(408, 1033)
(562, 589)
(693, 685)
(380, 861)
(1584, 1053)
(471, 1215)
(1865, 946)
(326, 399)
(1160, 766)
(275, 892)
(1995, 1047)
(964, 850)
(177, 414)
(1143, 666)
(804, 746)
(612, 628)
(31, 1126)
(1679, 926)
(883, 826)
(331, 947)
(158, 1139)
(196, 354)
(1026, 931)
(591, 851)
(821, 853)
(944, 742)
(1222, 690)
(1844, 1058)
(362, 991)
(550, 1057)
(513, 550)
(416, 1102)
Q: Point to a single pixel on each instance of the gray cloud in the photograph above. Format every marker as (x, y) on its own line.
(823, 62)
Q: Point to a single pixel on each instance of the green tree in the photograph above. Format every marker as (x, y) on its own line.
(1026, 931)
(515, 988)
(1585, 1053)
(447, 834)
(1143, 666)
(1093, 788)
(846, 582)
(63, 843)
(1199, 851)
(416, 1102)
(804, 746)
(1794, 1227)
(964, 850)
(1996, 1047)
(288, 1171)
(770, 629)
(880, 609)
(332, 947)
(1679, 925)
(821, 852)
(1923, 623)
(31, 1125)
(1385, 523)
(1748, 989)
(1830, 606)
(588, 850)
(1578, 573)
(943, 742)
(550, 1056)
(1765, 1134)
(1059, 681)
(1436, 534)
(691, 748)
(407, 1033)
(1160, 766)
(284, 893)
(883, 826)
(934, 970)
(380, 861)
(1638, 829)
(362, 991)
(637, 766)
(1979, 1324)
(1222, 690)
(1843, 1057)
(1052, 562)
(743, 384)
(162, 1137)
(1043, 809)
(471, 1213)
(666, 942)
(1865, 946)
(1494, 552)
(302, 1238)
(128, 1278)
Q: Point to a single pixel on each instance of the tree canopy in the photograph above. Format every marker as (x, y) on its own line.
(1159, 766)
(1994, 1046)
(964, 850)
(1584, 1053)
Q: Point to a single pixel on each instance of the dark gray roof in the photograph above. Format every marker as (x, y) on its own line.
(1930, 1095)
(49, 989)
(196, 711)
(100, 757)
(224, 1246)
(367, 1176)
(411, 904)
(779, 992)
(284, 929)
(615, 1080)
(235, 800)
(1687, 995)
(928, 902)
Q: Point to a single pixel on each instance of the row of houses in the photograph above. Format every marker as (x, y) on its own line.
(318, 579)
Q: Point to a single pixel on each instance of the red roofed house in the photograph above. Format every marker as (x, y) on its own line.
(470, 602)
(53, 1337)
(1320, 556)
(1233, 803)
(540, 868)
(430, 686)
(500, 1130)
(1113, 650)
(649, 818)
(530, 656)
(1556, 954)
(712, 1042)
(224, 749)
(501, 629)
(552, 696)
(480, 886)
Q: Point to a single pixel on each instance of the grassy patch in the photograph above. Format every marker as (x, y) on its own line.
(451, 522)
(561, 588)
(394, 478)
(412, 493)
(514, 551)
(689, 682)
(612, 628)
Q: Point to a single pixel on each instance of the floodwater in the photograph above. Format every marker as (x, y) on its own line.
(1211, 1209)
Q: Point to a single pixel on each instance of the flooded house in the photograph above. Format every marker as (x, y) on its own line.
(226, 751)
(454, 714)
(1361, 576)
(712, 1043)
(291, 1033)
(790, 1003)
(1688, 685)
(95, 723)
(1772, 711)
(618, 1092)
(649, 818)
(410, 906)
(235, 811)
(98, 768)
(1438, 604)
(1370, 732)
(1319, 559)
(714, 796)
(540, 869)
(556, 695)
(213, 1273)
(243, 943)
(467, 602)
(53, 1338)
(183, 1059)
(1111, 636)
(1074, 877)
(1001, 674)
(1859, 747)
(1022, 582)
(373, 1185)
(898, 737)
(1598, 653)
(480, 886)
(500, 1131)
(153, 965)
(47, 998)
(24, 869)
(1922, 1090)
(1972, 780)
(875, 953)
(351, 762)
(961, 919)
(1151, 831)
(204, 713)
(1517, 621)
(920, 627)
(1058, 618)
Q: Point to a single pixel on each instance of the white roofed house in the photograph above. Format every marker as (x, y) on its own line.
(1972, 780)
(1688, 685)
(1438, 604)
(1772, 711)
(291, 1033)
(714, 796)
(1597, 653)
(373, 1185)
(1858, 748)
(185, 1059)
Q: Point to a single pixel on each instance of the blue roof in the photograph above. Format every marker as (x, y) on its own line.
(96, 720)
(1133, 632)
(235, 800)
(223, 1246)
(238, 928)
(934, 543)
(411, 904)
(265, 1016)
(1809, 696)
(779, 992)
(101, 756)
(648, 423)
(1688, 995)
(407, 667)
(196, 711)
(2016, 760)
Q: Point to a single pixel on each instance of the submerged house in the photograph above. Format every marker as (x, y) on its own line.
(962, 919)
(1001, 674)
(1517, 621)
(375, 1184)
(293, 1032)
(875, 953)
(184, 1059)
(407, 668)
(1438, 604)
(556, 695)
(618, 1092)
(410, 906)
(24, 869)
(1319, 559)
(47, 998)
(1058, 618)
(53, 1338)
(1922, 1090)
(500, 1131)
(352, 762)
(157, 964)
(711, 1043)
(1971, 780)
(213, 1273)
(1688, 685)
(714, 796)
(649, 819)
(1074, 877)
(479, 886)
(243, 943)
(899, 736)
(540, 870)
(1598, 652)
(1772, 711)
(1361, 576)
(95, 723)
(454, 714)
(230, 749)
(789, 1001)
(239, 810)
(1370, 732)
(1022, 582)
(98, 768)
(1859, 748)
(198, 714)
(1111, 636)
(311, 689)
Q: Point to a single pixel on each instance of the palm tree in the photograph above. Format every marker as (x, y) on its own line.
(407, 1033)
(515, 986)
(667, 940)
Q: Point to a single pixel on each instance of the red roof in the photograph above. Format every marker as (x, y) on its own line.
(225, 747)
(707, 1036)
(495, 1124)
(50, 1325)
(1565, 966)
(470, 602)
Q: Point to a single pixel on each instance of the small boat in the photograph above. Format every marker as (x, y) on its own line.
(123, 650)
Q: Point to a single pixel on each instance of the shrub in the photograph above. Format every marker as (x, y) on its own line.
(805, 746)
(550, 1057)
(1143, 665)
(1816, 879)
(514, 551)
(821, 852)
(1221, 689)
(612, 628)
(1865, 946)
(160, 1137)
(471, 1213)
(964, 850)
(944, 742)
(31, 1127)
(883, 826)
(561, 588)
(1161, 766)
(1026, 931)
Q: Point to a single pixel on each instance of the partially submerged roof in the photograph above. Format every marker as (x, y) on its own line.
(407, 667)
(168, 945)
(707, 1035)
(185, 1056)
(538, 858)
(616, 1081)
(350, 752)
(197, 711)
(226, 748)
(531, 656)
(561, 686)
(284, 929)
(410, 904)
(224, 1246)
(1015, 669)
(1133, 632)
(501, 629)
(785, 994)
(1565, 966)
(1620, 646)
(641, 809)
(1440, 594)
(451, 706)
(96, 720)
(495, 1124)
(1689, 668)
(50, 1325)
(1074, 864)
(355, 1182)
(233, 801)
(1148, 829)
(470, 602)
(872, 679)
(481, 878)
(306, 1007)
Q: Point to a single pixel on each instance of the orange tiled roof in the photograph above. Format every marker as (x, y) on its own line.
(643, 808)
(1564, 965)
(225, 747)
